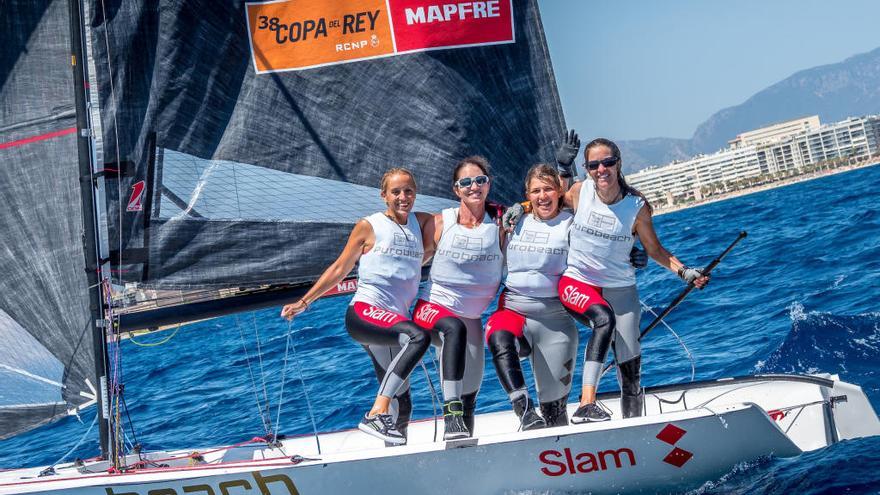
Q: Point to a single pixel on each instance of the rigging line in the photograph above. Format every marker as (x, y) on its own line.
(79, 442)
(115, 128)
(438, 373)
(155, 344)
(434, 399)
(130, 422)
(680, 341)
(305, 389)
(247, 358)
(262, 369)
(283, 378)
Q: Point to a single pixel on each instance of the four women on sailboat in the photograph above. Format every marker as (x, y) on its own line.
(465, 274)
(389, 245)
(599, 287)
(583, 258)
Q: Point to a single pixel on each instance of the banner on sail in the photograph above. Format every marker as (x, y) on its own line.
(290, 35)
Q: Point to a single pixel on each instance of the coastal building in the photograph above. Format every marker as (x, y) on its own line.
(760, 156)
(776, 132)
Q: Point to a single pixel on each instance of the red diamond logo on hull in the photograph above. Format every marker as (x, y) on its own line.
(677, 457)
(670, 434)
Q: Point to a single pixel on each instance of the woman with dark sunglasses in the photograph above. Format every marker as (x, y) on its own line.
(530, 319)
(465, 274)
(389, 246)
(599, 285)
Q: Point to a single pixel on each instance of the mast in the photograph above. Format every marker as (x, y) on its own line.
(90, 232)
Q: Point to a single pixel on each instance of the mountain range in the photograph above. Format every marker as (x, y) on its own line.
(833, 92)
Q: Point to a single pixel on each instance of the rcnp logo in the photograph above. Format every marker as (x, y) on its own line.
(671, 434)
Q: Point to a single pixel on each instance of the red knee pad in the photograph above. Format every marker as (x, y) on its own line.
(427, 314)
(505, 320)
(578, 296)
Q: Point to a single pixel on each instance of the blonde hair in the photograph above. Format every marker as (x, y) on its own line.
(394, 171)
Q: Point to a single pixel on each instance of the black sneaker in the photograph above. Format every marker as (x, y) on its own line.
(589, 413)
(382, 427)
(525, 411)
(453, 421)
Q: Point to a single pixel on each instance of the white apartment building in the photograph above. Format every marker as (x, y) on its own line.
(764, 151)
(776, 132)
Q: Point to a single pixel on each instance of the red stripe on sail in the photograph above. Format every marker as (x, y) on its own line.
(41, 137)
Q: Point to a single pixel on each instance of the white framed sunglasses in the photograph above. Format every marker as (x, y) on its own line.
(465, 182)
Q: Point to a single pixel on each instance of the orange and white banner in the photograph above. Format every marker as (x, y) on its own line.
(303, 34)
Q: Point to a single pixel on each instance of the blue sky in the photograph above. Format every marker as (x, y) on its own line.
(639, 69)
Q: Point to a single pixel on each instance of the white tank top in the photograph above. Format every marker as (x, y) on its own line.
(601, 239)
(537, 254)
(389, 274)
(466, 270)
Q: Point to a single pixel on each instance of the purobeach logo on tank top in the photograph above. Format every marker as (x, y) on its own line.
(461, 243)
(603, 223)
(404, 246)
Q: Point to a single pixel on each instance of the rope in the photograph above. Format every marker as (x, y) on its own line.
(263, 417)
(79, 442)
(305, 388)
(154, 344)
(283, 378)
(434, 398)
(289, 346)
(433, 391)
(262, 369)
(680, 341)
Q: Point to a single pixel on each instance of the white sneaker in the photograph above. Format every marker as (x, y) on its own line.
(382, 427)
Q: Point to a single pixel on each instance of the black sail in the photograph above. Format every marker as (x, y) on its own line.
(232, 176)
(46, 352)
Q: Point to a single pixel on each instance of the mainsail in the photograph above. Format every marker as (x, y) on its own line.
(235, 143)
(46, 356)
(243, 166)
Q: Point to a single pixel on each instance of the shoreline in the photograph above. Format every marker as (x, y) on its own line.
(765, 187)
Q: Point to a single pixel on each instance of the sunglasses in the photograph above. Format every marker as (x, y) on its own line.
(465, 182)
(607, 162)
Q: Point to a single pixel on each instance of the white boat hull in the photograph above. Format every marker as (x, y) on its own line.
(701, 433)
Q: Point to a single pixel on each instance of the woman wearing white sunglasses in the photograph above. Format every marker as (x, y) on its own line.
(465, 275)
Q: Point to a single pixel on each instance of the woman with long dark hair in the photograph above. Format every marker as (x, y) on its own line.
(599, 285)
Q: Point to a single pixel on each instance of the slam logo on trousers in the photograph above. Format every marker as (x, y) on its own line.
(572, 296)
(379, 314)
(427, 313)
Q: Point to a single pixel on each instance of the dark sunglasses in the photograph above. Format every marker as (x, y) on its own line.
(465, 182)
(608, 162)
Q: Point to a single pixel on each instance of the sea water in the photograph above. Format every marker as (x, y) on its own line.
(798, 295)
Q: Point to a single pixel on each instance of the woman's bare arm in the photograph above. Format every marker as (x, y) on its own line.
(361, 238)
